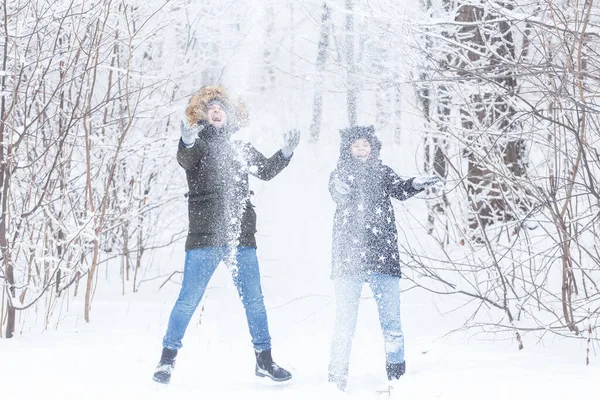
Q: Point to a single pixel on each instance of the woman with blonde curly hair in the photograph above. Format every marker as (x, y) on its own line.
(222, 221)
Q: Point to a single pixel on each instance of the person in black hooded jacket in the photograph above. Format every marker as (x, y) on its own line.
(222, 221)
(365, 246)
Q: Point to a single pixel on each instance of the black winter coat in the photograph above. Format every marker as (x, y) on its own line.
(219, 208)
(365, 239)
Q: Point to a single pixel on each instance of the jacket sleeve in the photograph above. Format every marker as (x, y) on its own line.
(396, 187)
(265, 168)
(188, 157)
(337, 197)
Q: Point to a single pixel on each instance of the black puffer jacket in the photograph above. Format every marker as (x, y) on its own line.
(219, 208)
(365, 239)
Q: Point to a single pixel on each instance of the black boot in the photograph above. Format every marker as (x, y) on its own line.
(395, 371)
(266, 367)
(164, 369)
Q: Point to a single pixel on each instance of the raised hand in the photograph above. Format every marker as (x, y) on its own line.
(189, 133)
(425, 181)
(290, 142)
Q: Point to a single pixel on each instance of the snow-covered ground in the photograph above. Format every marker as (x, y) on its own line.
(114, 355)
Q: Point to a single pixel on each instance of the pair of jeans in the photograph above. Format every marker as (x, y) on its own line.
(200, 264)
(386, 290)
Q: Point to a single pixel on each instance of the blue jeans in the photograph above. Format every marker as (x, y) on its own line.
(386, 290)
(200, 264)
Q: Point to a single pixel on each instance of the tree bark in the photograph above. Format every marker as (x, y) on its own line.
(490, 109)
(350, 64)
(315, 126)
(268, 73)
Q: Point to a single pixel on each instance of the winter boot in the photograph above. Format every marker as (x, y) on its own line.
(266, 367)
(165, 366)
(395, 371)
(339, 381)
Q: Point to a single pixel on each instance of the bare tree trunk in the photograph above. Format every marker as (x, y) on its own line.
(315, 127)
(125, 258)
(382, 106)
(268, 73)
(350, 64)
(139, 251)
(436, 104)
(397, 112)
(436, 148)
(60, 254)
(4, 184)
(490, 108)
(292, 38)
(2, 302)
(112, 166)
(4, 245)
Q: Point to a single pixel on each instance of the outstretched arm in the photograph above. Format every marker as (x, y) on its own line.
(265, 168)
(191, 149)
(396, 187)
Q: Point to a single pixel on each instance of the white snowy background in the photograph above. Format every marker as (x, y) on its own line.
(56, 354)
(115, 355)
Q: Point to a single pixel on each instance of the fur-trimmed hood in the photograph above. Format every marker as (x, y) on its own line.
(198, 106)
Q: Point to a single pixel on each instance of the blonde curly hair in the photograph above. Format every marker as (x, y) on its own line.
(198, 106)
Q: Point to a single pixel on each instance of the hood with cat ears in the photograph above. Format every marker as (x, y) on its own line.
(349, 135)
(198, 106)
